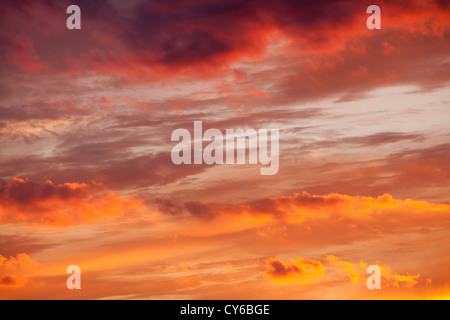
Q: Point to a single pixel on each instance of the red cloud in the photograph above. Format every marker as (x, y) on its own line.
(315, 220)
(59, 205)
(302, 270)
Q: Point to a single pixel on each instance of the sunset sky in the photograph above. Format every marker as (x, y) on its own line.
(86, 176)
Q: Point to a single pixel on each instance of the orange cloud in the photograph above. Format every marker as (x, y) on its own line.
(302, 270)
(303, 206)
(59, 205)
(348, 267)
(297, 271)
(400, 280)
(358, 273)
(200, 36)
(13, 270)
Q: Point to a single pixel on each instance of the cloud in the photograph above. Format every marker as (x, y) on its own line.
(420, 173)
(11, 281)
(348, 267)
(42, 109)
(300, 271)
(357, 272)
(399, 280)
(372, 140)
(22, 53)
(101, 105)
(297, 271)
(333, 206)
(23, 200)
(13, 244)
(22, 261)
(13, 270)
(314, 222)
(164, 39)
(160, 249)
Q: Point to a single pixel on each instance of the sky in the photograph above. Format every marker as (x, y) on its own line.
(86, 177)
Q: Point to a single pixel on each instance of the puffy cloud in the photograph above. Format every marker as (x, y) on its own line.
(23, 200)
(13, 270)
(347, 267)
(302, 270)
(297, 271)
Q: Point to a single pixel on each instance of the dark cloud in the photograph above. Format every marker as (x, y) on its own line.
(178, 33)
(20, 191)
